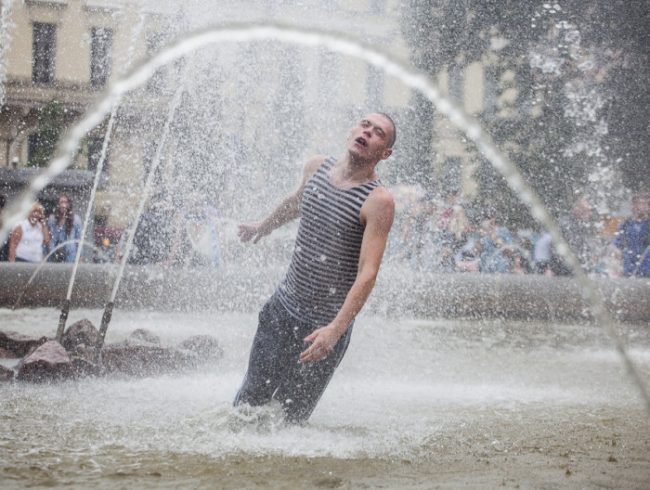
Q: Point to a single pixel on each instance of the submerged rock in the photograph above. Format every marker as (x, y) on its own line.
(80, 340)
(7, 354)
(49, 361)
(6, 374)
(18, 343)
(142, 336)
(82, 333)
(84, 361)
(144, 360)
(206, 347)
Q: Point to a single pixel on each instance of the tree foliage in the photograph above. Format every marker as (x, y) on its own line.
(580, 70)
(51, 122)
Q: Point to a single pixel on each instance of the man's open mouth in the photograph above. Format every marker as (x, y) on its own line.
(361, 141)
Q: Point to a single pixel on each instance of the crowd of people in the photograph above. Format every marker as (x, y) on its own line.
(171, 237)
(444, 236)
(430, 235)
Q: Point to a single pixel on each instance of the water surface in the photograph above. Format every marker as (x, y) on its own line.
(415, 404)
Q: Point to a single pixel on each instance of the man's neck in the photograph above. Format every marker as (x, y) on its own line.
(354, 171)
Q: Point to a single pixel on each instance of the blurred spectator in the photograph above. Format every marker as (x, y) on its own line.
(494, 239)
(4, 245)
(30, 237)
(579, 229)
(467, 258)
(633, 238)
(195, 240)
(518, 260)
(151, 243)
(454, 227)
(64, 226)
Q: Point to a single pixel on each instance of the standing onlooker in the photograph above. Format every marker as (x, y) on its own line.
(29, 237)
(494, 239)
(4, 245)
(633, 238)
(64, 226)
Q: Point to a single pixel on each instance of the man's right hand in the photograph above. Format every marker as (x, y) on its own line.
(255, 231)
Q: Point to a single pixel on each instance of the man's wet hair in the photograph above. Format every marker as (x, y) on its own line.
(394, 136)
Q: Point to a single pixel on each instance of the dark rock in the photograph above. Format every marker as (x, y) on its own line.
(143, 360)
(142, 336)
(48, 362)
(80, 334)
(206, 347)
(85, 361)
(18, 343)
(6, 374)
(7, 354)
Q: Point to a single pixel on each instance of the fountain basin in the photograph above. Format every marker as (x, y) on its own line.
(398, 292)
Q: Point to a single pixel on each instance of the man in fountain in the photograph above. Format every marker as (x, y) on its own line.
(304, 329)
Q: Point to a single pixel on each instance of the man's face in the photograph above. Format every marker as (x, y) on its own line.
(370, 138)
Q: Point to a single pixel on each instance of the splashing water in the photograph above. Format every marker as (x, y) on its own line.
(93, 191)
(173, 106)
(245, 33)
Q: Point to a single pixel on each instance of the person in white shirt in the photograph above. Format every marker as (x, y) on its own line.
(29, 237)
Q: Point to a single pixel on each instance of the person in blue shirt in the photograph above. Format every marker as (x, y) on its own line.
(64, 226)
(633, 238)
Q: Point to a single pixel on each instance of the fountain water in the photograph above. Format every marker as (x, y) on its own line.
(151, 178)
(65, 308)
(409, 76)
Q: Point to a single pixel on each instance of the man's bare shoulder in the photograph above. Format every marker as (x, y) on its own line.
(382, 198)
(379, 207)
(313, 165)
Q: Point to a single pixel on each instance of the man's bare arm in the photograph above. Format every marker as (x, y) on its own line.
(288, 209)
(378, 211)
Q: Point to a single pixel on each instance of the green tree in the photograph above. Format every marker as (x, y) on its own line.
(51, 123)
(551, 117)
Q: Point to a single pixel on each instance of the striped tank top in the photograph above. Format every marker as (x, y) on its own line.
(326, 253)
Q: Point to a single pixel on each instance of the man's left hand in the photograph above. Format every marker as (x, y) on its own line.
(322, 342)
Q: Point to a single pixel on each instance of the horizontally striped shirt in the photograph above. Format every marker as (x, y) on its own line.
(326, 254)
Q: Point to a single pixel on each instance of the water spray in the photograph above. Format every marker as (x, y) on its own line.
(411, 77)
(65, 307)
(173, 106)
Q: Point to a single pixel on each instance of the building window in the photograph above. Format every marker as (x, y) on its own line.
(375, 87)
(100, 55)
(489, 90)
(155, 41)
(95, 153)
(43, 52)
(457, 83)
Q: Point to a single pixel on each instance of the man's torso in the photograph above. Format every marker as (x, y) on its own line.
(326, 253)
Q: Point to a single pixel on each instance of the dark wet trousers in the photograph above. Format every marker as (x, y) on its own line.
(274, 372)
